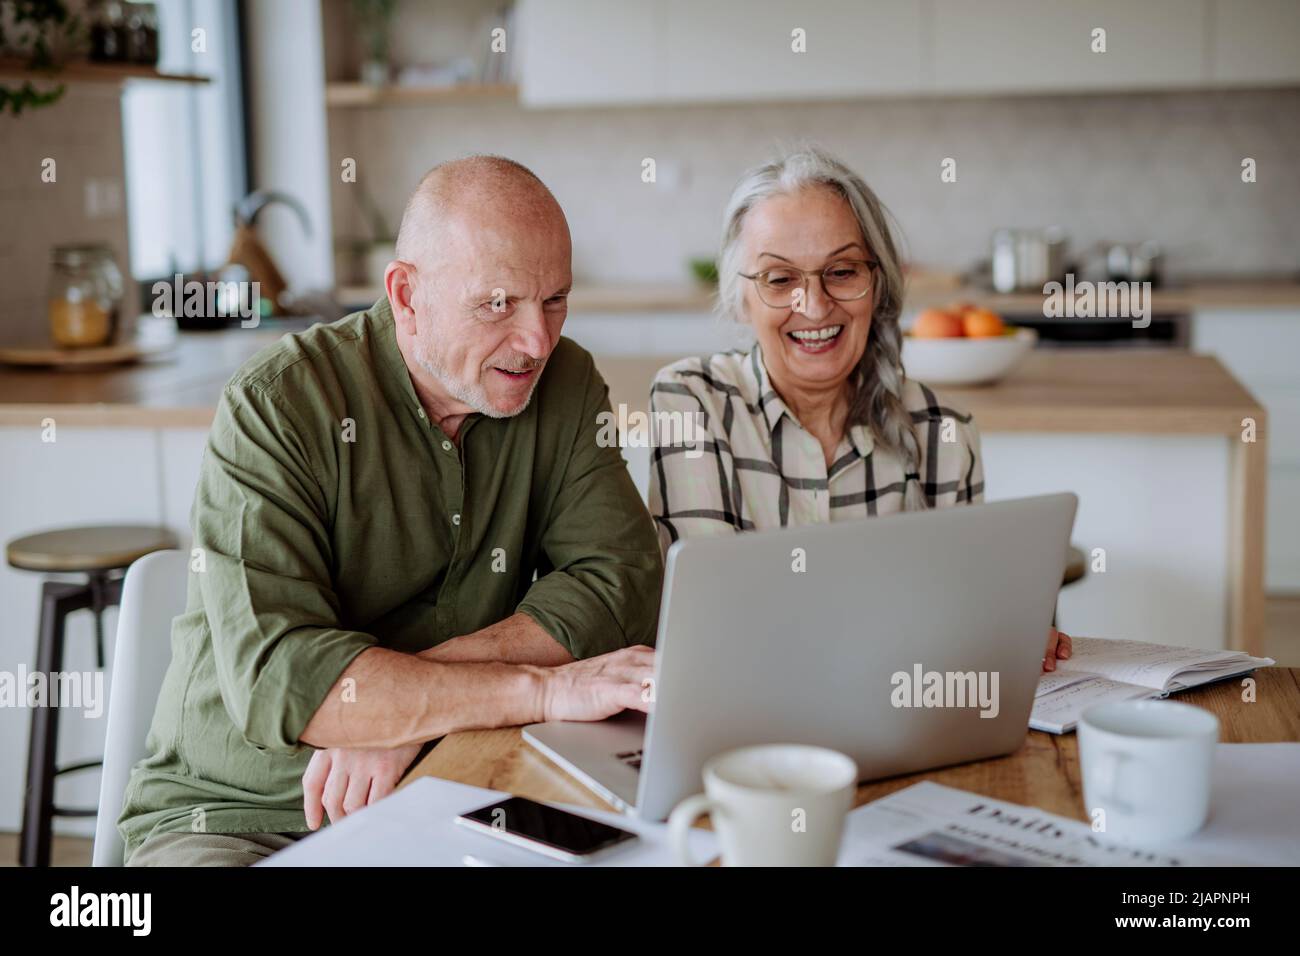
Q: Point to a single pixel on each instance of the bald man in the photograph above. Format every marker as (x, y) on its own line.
(405, 526)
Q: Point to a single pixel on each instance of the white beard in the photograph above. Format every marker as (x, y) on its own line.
(473, 395)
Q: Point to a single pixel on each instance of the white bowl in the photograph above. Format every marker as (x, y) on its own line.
(963, 361)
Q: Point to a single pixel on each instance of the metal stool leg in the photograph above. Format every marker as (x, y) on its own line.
(103, 592)
(58, 600)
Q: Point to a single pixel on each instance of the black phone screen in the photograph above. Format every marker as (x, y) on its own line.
(557, 828)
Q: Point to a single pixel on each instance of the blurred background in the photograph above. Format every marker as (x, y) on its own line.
(1014, 141)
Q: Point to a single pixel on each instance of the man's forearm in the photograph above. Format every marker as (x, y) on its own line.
(516, 640)
(385, 698)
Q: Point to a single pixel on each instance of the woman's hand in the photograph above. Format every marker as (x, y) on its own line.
(1059, 647)
(342, 780)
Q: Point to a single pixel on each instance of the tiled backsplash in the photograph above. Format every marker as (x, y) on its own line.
(82, 133)
(1119, 167)
(1129, 167)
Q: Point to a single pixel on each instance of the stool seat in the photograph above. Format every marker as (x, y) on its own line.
(92, 548)
(1076, 563)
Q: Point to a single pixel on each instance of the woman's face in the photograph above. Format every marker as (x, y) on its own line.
(808, 230)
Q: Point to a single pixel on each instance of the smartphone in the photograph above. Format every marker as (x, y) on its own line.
(556, 833)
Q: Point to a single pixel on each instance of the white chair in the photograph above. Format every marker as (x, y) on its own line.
(152, 594)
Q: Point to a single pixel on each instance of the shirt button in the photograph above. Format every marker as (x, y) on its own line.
(420, 412)
(446, 445)
(455, 519)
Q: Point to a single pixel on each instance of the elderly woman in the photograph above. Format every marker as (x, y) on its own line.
(818, 421)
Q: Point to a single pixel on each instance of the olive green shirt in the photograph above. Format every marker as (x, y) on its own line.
(331, 516)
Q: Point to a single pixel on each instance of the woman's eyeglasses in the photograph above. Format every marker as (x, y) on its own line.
(844, 280)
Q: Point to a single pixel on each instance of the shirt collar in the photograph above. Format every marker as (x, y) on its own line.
(772, 407)
(394, 373)
(769, 403)
(383, 328)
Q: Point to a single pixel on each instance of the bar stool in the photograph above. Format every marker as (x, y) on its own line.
(102, 553)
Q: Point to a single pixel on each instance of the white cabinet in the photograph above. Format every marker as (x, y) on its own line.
(774, 49)
(1009, 46)
(1255, 42)
(592, 52)
(1262, 349)
(588, 52)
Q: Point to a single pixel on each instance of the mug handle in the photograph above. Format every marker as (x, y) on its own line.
(1111, 763)
(680, 821)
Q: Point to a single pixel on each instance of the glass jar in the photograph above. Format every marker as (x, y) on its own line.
(142, 33)
(85, 296)
(108, 32)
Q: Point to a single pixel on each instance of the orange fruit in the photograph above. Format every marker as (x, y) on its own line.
(937, 324)
(982, 324)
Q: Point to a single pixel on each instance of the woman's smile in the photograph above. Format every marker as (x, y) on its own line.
(815, 341)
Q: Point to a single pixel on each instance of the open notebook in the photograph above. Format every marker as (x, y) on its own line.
(1102, 670)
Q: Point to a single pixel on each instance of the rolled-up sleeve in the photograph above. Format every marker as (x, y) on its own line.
(603, 591)
(261, 526)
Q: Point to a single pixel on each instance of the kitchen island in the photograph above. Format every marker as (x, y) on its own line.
(1159, 445)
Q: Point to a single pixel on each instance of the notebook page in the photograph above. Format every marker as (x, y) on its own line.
(1151, 665)
(1059, 711)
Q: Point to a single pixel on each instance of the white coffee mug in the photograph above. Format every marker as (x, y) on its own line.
(771, 805)
(1146, 768)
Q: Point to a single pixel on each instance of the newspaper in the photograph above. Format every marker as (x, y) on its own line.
(928, 824)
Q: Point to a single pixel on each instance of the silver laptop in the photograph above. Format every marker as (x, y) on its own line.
(908, 642)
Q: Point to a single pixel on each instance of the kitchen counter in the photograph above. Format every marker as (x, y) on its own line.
(1152, 442)
(1156, 392)
(925, 289)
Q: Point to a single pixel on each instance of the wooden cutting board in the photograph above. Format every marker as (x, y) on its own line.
(51, 356)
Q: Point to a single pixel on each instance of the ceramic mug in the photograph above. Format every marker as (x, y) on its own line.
(771, 805)
(1146, 767)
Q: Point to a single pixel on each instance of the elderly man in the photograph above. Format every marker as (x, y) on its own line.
(406, 527)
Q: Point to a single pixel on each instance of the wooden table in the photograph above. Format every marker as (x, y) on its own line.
(1044, 773)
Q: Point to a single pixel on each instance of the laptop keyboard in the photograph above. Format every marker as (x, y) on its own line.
(632, 758)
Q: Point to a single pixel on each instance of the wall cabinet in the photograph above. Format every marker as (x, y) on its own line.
(1254, 42)
(1014, 46)
(588, 52)
(774, 50)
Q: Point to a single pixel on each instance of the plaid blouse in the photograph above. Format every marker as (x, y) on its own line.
(759, 469)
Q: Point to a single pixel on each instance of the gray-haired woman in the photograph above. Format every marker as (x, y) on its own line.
(818, 421)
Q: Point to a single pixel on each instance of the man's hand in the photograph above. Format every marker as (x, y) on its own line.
(600, 687)
(340, 781)
(1058, 648)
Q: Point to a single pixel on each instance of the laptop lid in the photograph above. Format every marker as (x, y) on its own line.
(836, 635)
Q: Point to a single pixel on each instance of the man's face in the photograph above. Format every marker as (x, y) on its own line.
(489, 306)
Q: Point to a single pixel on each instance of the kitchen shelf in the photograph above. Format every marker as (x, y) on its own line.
(363, 94)
(86, 71)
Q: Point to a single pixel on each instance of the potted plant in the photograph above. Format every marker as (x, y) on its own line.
(374, 17)
(35, 31)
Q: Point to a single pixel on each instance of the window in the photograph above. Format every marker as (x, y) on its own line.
(186, 164)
